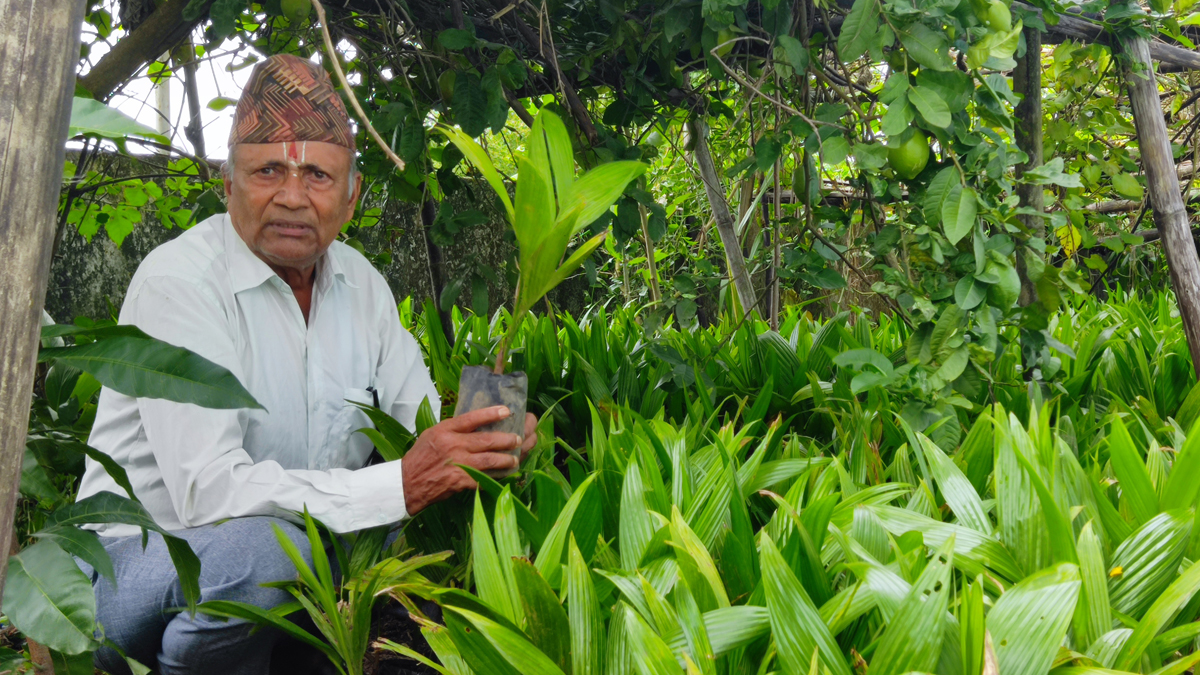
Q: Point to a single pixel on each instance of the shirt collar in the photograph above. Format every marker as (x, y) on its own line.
(247, 270)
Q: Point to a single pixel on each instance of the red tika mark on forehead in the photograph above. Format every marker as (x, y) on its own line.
(292, 153)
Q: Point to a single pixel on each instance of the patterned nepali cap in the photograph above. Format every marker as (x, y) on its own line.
(290, 99)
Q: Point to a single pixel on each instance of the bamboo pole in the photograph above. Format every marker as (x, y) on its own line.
(724, 221)
(39, 43)
(1170, 213)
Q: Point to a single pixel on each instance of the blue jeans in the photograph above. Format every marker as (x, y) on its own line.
(236, 557)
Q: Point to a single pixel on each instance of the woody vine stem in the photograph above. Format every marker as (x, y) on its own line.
(337, 68)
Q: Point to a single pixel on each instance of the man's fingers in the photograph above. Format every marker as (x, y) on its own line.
(468, 422)
(490, 441)
(491, 461)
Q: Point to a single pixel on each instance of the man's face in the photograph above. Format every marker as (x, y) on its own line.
(289, 200)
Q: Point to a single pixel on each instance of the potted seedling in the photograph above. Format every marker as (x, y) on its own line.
(550, 207)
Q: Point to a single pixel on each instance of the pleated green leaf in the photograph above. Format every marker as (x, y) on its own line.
(1159, 616)
(1093, 615)
(490, 581)
(1029, 621)
(1021, 524)
(480, 160)
(1182, 485)
(699, 646)
(637, 528)
(795, 622)
(240, 610)
(1127, 463)
(509, 548)
(588, 639)
(651, 655)
(1147, 562)
(913, 638)
(968, 544)
(511, 645)
(550, 556)
(546, 621)
(958, 492)
(728, 628)
(697, 565)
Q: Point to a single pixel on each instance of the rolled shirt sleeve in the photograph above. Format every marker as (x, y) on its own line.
(194, 466)
(199, 451)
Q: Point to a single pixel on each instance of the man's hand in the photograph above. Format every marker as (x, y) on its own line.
(429, 470)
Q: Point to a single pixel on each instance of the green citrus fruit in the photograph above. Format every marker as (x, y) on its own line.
(296, 11)
(998, 18)
(723, 36)
(446, 85)
(910, 157)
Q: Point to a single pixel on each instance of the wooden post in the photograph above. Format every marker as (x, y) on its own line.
(722, 218)
(39, 45)
(1170, 214)
(1027, 82)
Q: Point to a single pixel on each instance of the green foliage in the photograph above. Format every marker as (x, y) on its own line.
(551, 205)
(46, 596)
(341, 609)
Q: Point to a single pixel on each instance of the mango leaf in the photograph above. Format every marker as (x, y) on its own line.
(149, 368)
(49, 599)
(93, 118)
(106, 507)
(1029, 620)
(82, 544)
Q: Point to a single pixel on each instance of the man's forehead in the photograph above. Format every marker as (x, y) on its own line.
(294, 152)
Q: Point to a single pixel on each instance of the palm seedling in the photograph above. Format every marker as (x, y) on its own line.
(551, 206)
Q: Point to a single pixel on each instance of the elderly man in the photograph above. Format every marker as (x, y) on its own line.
(309, 328)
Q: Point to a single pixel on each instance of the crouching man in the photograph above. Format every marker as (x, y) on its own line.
(308, 327)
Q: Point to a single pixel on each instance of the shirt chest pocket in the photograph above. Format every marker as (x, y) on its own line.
(345, 447)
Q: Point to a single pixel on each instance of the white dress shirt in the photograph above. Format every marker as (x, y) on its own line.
(192, 466)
